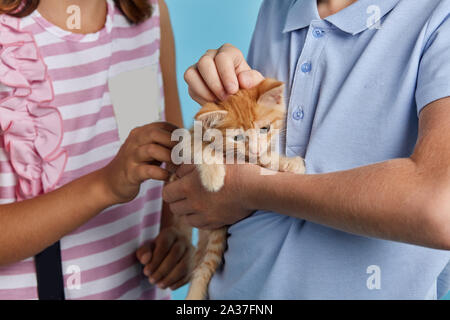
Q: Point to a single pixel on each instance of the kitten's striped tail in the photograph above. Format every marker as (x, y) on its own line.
(211, 248)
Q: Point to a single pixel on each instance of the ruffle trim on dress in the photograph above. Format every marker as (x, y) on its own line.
(32, 130)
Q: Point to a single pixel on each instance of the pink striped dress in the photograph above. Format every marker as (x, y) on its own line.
(58, 124)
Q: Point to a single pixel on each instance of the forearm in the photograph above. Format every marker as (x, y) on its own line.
(389, 200)
(168, 68)
(30, 226)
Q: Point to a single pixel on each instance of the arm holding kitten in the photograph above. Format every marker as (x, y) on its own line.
(405, 200)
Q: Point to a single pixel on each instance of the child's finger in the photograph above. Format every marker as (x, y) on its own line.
(161, 249)
(226, 64)
(148, 134)
(249, 79)
(184, 170)
(144, 254)
(180, 271)
(197, 98)
(197, 85)
(170, 261)
(207, 69)
(152, 152)
(181, 208)
(164, 125)
(146, 172)
(181, 282)
(174, 191)
(172, 168)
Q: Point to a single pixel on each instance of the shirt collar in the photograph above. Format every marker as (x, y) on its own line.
(353, 19)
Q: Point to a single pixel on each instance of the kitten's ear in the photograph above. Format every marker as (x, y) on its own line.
(271, 94)
(211, 115)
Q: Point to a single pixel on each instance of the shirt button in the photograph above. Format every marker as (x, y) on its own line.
(306, 67)
(298, 114)
(318, 32)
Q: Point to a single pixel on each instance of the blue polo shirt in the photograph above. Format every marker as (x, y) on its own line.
(356, 83)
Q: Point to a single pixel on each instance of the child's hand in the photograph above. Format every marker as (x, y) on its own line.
(139, 159)
(220, 73)
(168, 259)
(190, 202)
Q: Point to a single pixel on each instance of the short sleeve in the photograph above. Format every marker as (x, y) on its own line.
(267, 35)
(253, 50)
(433, 82)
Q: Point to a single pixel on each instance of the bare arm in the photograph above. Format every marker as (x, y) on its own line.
(168, 68)
(405, 200)
(28, 227)
(172, 100)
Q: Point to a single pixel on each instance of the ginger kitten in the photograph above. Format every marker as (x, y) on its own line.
(252, 115)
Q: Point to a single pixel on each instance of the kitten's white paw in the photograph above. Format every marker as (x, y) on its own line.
(212, 177)
(295, 165)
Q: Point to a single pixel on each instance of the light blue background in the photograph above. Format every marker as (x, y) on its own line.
(200, 25)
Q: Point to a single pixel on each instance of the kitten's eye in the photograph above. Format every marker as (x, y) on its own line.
(264, 130)
(239, 137)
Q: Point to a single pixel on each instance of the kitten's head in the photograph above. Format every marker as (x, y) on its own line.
(252, 116)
